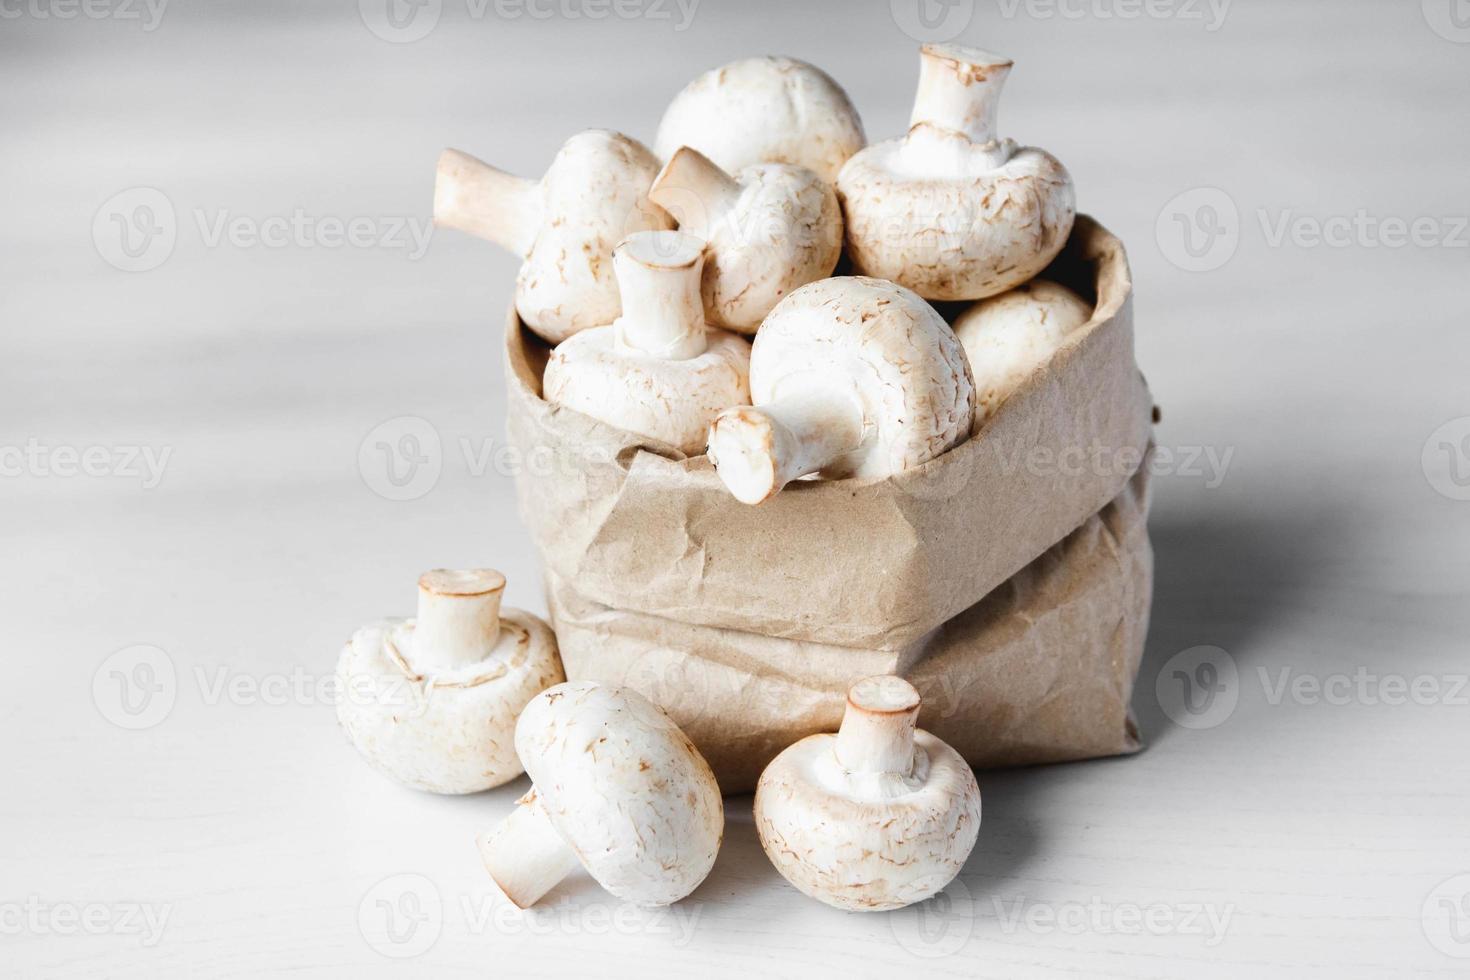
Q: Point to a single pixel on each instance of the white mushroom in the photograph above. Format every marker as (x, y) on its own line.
(657, 370)
(764, 110)
(564, 226)
(1009, 336)
(875, 817)
(768, 230)
(851, 377)
(950, 210)
(432, 701)
(617, 788)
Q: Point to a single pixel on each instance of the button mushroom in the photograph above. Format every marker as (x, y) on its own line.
(851, 377)
(768, 230)
(764, 110)
(1006, 337)
(875, 817)
(564, 226)
(657, 370)
(617, 788)
(950, 210)
(432, 701)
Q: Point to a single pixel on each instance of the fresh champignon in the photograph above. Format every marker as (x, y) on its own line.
(432, 701)
(950, 210)
(850, 377)
(769, 229)
(564, 226)
(764, 110)
(657, 370)
(1007, 337)
(875, 817)
(618, 788)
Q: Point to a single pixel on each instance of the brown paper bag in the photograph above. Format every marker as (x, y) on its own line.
(1040, 670)
(878, 565)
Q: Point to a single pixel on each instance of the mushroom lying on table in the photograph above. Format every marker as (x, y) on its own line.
(1007, 337)
(658, 370)
(764, 110)
(769, 229)
(432, 701)
(850, 377)
(564, 225)
(951, 210)
(617, 787)
(875, 817)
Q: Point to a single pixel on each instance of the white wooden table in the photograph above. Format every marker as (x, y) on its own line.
(208, 819)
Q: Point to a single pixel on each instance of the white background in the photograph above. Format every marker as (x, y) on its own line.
(1323, 832)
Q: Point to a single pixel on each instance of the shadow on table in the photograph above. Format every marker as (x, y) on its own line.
(1225, 580)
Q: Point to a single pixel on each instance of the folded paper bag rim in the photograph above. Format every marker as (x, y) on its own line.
(874, 564)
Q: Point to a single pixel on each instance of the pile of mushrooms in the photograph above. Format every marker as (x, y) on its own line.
(688, 298)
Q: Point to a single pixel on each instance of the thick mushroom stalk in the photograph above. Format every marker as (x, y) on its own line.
(760, 449)
(769, 229)
(663, 315)
(849, 377)
(617, 788)
(458, 620)
(432, 701)
(959, 90)
(877, 731)
(564, 226)
(951, 209)
(525, 855)
(658, 371)
(879, 815)
(474, 197)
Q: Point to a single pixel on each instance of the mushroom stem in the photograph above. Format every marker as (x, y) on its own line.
(959, 90)
(658, 275)
(458, 620)
(759, 449)
(693, 189)
(877, 731)
(525, 855)
(474, 197)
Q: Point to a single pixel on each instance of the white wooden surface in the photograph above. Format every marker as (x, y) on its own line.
(1301, 835)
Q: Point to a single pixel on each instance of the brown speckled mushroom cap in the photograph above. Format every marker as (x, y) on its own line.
(625, 789)
(877, 816)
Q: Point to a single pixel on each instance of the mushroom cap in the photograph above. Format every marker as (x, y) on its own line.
(625, 788)
(784, 232)
(903, 362)
(867, 842)
(452, 732)
(594, 195)
(672, 401)
(939, 214)
(1007, 337)
(764, 110)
